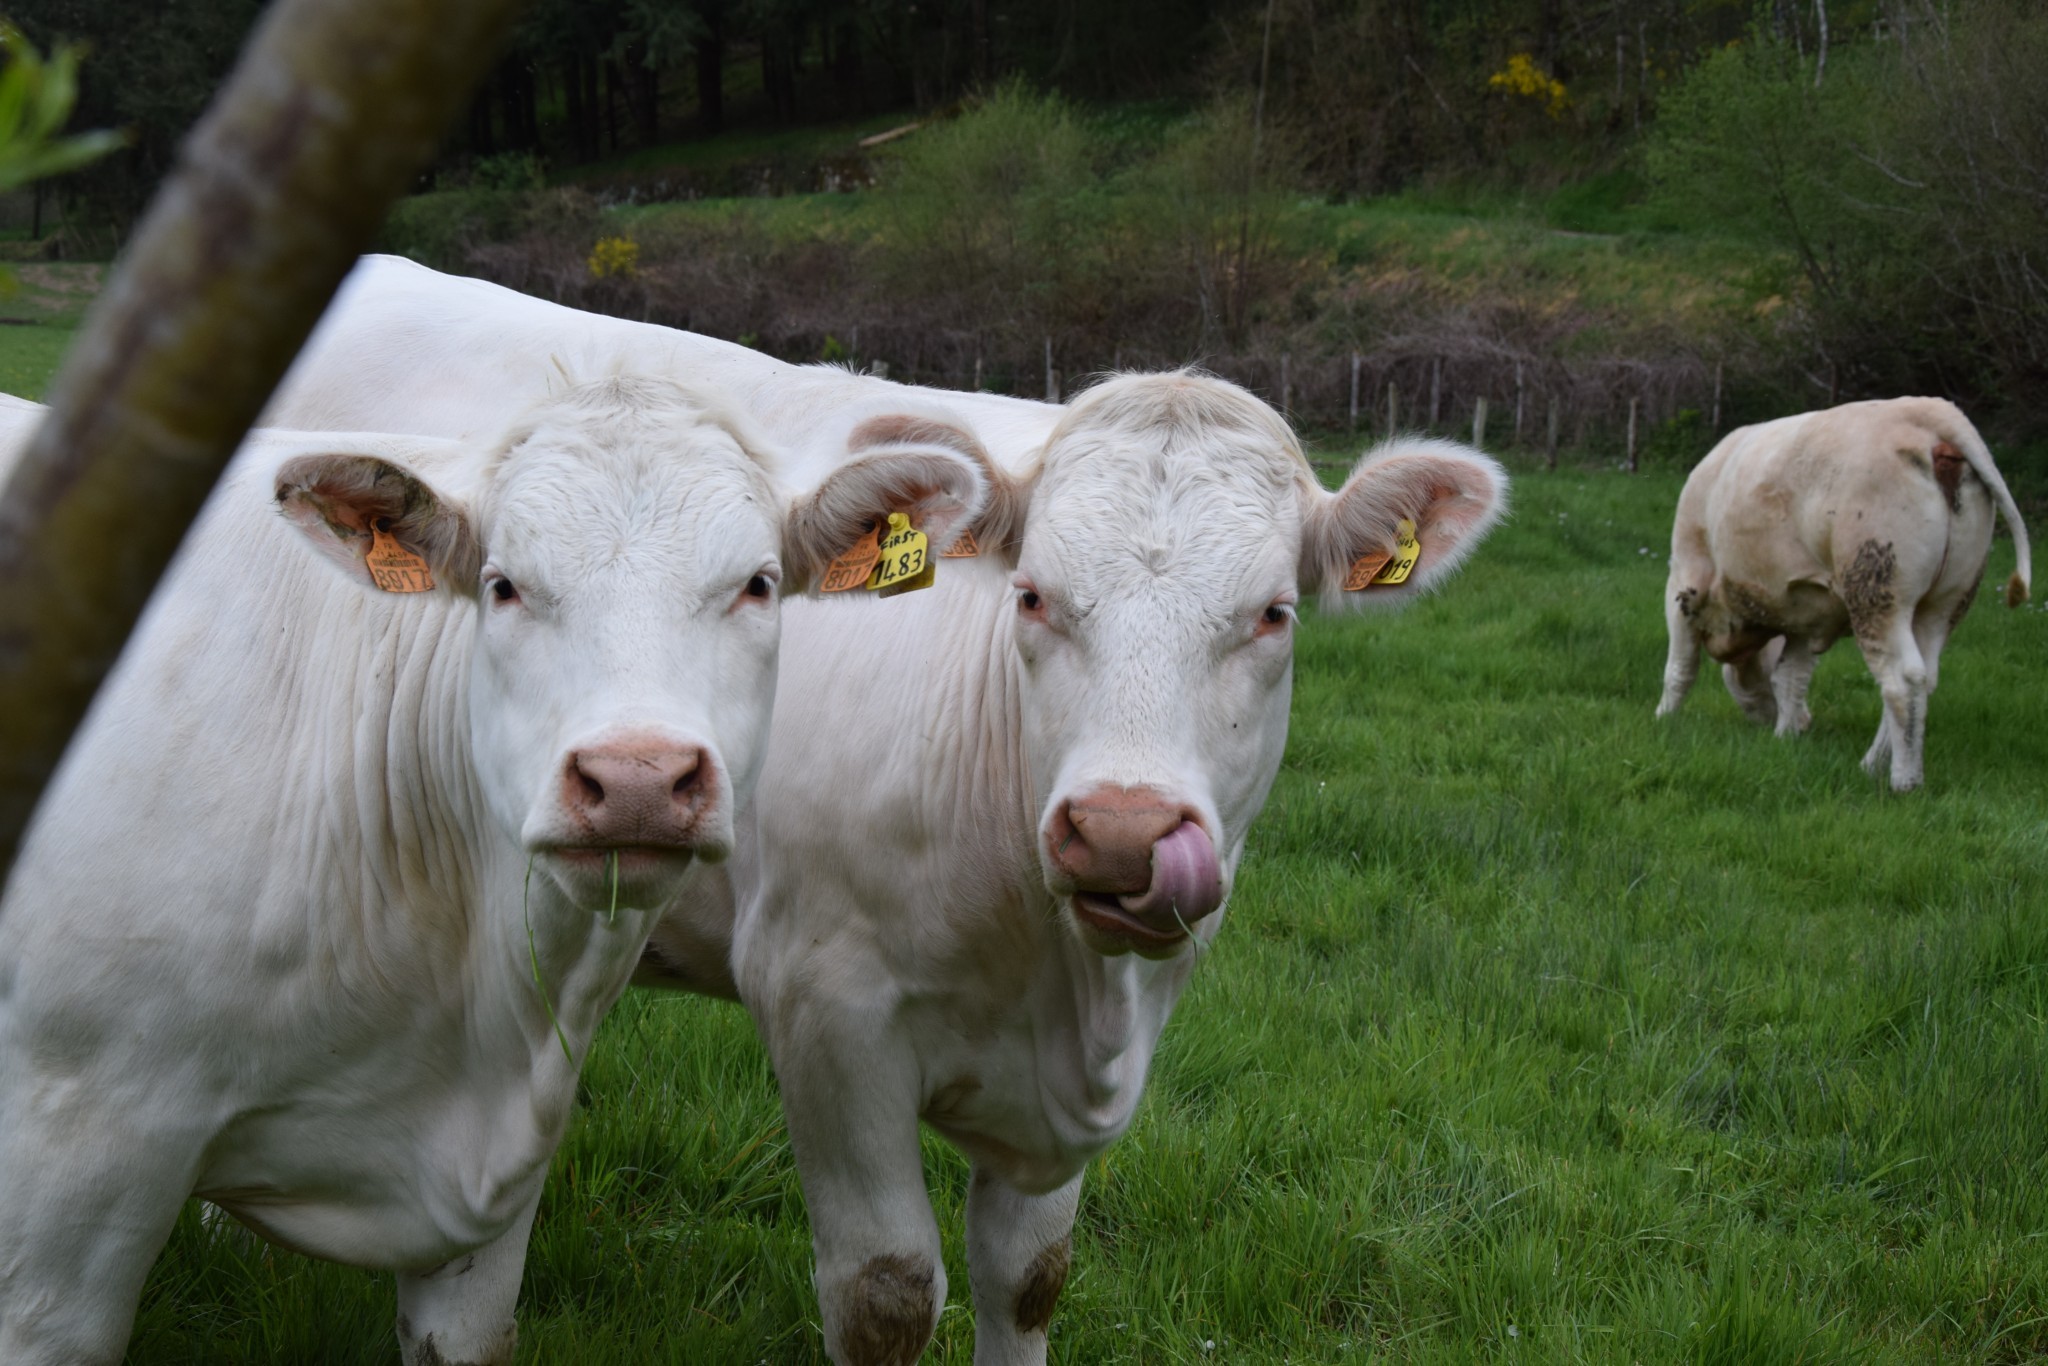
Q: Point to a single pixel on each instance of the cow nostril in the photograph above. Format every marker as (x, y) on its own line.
(593, 790)
(686, 785)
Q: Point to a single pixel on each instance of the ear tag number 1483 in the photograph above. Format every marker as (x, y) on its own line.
(906, 562)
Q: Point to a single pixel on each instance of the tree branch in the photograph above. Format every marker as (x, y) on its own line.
(334, 107)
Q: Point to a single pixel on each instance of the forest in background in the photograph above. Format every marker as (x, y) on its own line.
(1790, 201)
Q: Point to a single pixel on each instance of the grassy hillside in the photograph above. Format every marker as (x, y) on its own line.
(1539, 1030)
(38, 319)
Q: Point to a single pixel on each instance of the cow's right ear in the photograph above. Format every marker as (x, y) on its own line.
(351, 505)
(1451, 494)
(903, 468)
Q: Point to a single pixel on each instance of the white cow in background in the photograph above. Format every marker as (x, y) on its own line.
(998, 817)
(402, 344)
(335, 883)
(1872, 518)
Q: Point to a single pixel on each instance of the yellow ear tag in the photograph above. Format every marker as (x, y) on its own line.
(854, 564)
(393, 568)
(906, 563)
(1407, 550)
(964, 546)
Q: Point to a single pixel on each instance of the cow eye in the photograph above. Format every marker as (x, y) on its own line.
(1276, 615)
(1029, 601)
(760, 588)
(503, 590)
(1274, 619)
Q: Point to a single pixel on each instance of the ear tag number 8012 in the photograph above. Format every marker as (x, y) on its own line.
(906, 563)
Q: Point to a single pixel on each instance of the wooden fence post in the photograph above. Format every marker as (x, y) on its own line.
(1286, 387)
(1479, 425)
(1632, 434)
(1052, 379)
(333, 109)
(1354, 390)
(1550, 446)
(977, 372)
(1436, 390)
(1714, 423)
(1393, 409)
(1518, 405)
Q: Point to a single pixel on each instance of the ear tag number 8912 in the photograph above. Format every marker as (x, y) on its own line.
(906, 563)
(392, 567)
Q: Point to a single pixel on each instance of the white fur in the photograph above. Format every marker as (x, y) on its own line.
(271, 940)
(1769, 548)
(895, 925)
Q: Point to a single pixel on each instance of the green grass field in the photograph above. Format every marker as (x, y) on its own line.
(1539, 1031)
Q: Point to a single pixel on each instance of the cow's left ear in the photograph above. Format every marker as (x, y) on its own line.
(901, 469)
(349, 505)
(1452, 494)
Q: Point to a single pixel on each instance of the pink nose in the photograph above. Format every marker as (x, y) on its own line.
(650, 792)
(1133, 845)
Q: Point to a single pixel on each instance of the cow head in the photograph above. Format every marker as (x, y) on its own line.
(1168, 535)
(624, 550)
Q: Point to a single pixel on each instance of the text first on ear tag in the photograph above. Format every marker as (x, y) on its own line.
(393, 568)
(906, 562)
(853, 565)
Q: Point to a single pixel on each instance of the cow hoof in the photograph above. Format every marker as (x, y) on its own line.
(886, 1312)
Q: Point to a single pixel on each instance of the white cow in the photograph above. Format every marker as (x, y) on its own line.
(1873, 518)
(335, 883)
(977, 906)
(405, 348)
(997, 817)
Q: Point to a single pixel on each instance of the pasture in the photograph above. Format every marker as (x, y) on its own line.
(1538, 1031)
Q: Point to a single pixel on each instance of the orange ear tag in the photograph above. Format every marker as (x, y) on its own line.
(906, 564)
(1363, 568)
(853, 566)
(393, 568)
(964, 546)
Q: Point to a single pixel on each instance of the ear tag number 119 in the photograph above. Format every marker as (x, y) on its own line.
(906, 563)
(1377, 569)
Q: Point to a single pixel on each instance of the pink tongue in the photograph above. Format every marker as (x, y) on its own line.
(1187, 881)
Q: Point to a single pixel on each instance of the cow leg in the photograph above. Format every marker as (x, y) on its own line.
(1017, 1254)
(1749, 683)
(1682, 663)
(851, 1103)
(1789, 682)
(461, 1312)
(1895, 660)
(86, 1203)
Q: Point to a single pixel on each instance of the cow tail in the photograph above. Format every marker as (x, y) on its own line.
(1964, 436)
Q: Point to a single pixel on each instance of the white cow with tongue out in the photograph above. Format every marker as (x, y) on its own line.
(997, 817)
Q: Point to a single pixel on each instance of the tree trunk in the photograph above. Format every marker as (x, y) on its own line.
(335, 106)
(572, 98)
(711, 69)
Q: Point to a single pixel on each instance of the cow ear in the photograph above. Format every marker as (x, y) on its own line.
(345, 503)
(998, 529)
(1452, 494)
(904, 468)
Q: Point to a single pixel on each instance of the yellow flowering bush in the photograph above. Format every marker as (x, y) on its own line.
(1521, 76)
(618, 256)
